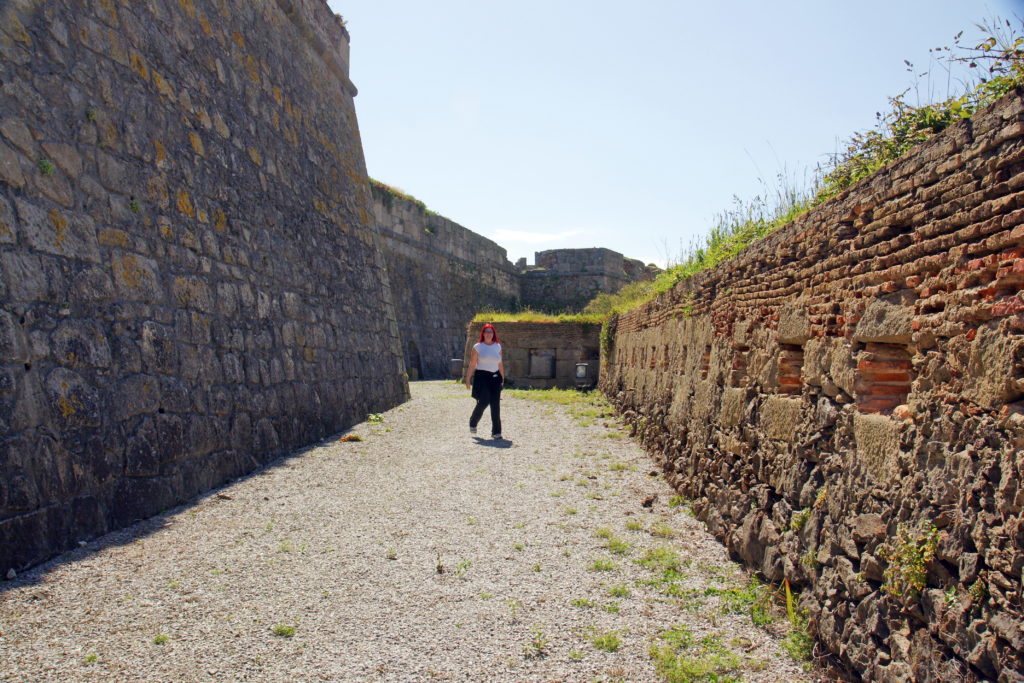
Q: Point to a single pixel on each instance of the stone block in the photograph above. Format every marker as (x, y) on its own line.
(159, 352)
(172, 439)
(733, 406)
(91, 285)
(8, 223)
(780, 418)
(10, 167)
(794, 324)
(141, 456)
(993, 368)
(135, 395)
(80, 343)
(56, 232)
(18, 134)
(139, 498)
(136, 278)
(73, 401)
(885, 322)
(13, 340)
(65, 156)
(877, 440)
(33, 277)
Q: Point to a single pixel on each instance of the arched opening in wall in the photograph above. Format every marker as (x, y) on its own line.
(883, 377)
(791, 366)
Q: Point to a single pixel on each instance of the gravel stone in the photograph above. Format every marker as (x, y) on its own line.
(418, 553)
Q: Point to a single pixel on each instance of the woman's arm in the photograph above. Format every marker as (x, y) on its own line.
(472, 368)
(501, 369)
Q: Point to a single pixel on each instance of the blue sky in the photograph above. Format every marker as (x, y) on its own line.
(590, 123)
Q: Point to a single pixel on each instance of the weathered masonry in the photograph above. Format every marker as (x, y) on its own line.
(190, 279)
(543, 355)
(442, 274)
(843, 400)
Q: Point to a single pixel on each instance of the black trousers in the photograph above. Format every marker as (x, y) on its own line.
(487, 392)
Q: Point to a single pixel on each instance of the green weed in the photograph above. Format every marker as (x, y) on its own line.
(284, 630)
(661, 530)
(609, 641)
(538, 645)
(684, 659)
(753, 599)
(619, 590)
(661, 558)
(603, 565)
(908, 556)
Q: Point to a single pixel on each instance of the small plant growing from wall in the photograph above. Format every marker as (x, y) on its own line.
(46, 166)
(908, 556)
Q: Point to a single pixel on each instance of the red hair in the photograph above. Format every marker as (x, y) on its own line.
(488, 325)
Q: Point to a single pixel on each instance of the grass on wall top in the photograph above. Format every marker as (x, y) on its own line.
(994, 67)
(529, 316)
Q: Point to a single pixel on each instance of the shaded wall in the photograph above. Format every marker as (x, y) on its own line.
(441, 274)
(847, 394)
(190, 282)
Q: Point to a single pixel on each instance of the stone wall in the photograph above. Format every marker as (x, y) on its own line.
(846, 395)
(567, 279)
(441, 275)
(190, 282)
(542, 355)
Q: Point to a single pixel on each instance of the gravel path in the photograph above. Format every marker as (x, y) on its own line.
(418, 553)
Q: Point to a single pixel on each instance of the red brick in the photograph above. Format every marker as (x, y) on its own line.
(869, 365)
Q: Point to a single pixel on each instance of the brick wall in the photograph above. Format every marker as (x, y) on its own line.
(542, 355)
(852, 382)
(190, 281)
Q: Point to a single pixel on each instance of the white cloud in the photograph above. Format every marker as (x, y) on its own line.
(525, 237)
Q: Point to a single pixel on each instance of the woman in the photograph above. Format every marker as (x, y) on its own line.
(485, 376)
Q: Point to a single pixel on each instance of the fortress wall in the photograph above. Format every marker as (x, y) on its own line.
(190, 280)
(442, 275)
(567, 279)
(845, 396)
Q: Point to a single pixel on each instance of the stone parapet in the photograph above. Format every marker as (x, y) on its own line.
(844, 403)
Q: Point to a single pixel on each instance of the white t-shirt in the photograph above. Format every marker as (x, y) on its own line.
(488, 356)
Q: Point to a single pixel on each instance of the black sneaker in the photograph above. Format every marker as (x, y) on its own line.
(496, 437)
(472, 430)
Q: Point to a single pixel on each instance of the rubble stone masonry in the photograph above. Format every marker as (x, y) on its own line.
(190, 281)
(843, 403)
(441, 275)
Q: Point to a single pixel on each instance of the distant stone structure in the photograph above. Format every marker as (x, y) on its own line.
(567, 279)
(443, 274)
(543, 355)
